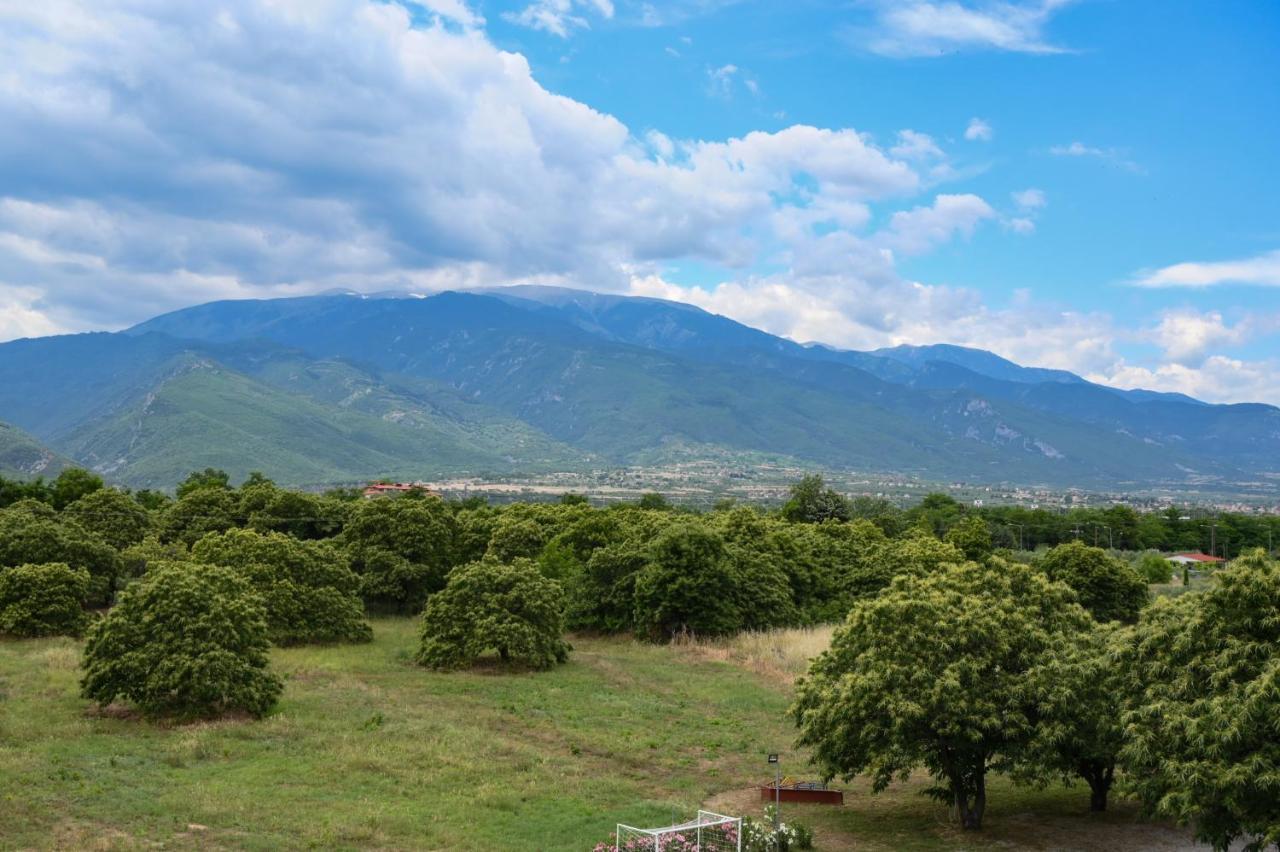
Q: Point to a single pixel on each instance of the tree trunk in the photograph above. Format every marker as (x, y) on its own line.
(504, 654)
(970, 809)
(1099, 775)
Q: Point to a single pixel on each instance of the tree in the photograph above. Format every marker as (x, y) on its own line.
(654, 501)
(510, 608)
(187, 641)
(1079, 690)
(43, 600)
(1153, 567)
(687, 586)
(72, 484)
(308, 589)
(971, 537)
(210, 477)
(1202, 703)
(198, 512)
(32, 533)
(112, 515)
(515, 537)
(1108, 588)
(402, 549)
(812, 502)
(935, 672)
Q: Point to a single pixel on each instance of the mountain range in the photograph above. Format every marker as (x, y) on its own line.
(343, 387)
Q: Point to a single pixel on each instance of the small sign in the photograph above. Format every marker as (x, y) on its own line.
(773, 758)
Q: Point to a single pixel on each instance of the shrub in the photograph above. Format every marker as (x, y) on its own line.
(187, 641)
(43, 600)
(307, 587)
(511, 608)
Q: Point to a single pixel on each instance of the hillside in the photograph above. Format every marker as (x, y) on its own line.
(23, 457)
(527, 379)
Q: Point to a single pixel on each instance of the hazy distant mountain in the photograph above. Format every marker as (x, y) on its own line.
(340, 387)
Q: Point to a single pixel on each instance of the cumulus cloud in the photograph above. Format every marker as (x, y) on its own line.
(559, 17)
(1260, 271)
(912, 145)
(1186, 336)
(313, 144)
(978, 131)
(908, 28)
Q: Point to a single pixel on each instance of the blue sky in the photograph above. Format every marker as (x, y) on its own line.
(1090, 185)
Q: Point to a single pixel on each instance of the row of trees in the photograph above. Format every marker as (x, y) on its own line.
(1061, 670)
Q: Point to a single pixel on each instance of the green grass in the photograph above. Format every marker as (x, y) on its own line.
(368, 750)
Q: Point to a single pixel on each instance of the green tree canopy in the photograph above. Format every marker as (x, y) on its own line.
(309, 590)
(1203, 702)
(812, 502)
(487, 605)
(936, 672)
(401, 548)
(198, 512)
(1107, 587)
(112, 516)
(72, 484)
(687, 585)
(970, 536)
(210, 477)
(43, 600)
(187, 641)
(31, 533)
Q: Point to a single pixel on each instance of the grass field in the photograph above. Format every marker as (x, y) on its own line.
(369, 751)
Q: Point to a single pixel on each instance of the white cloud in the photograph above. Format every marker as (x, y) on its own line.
(1110, 155)
(1260, 271)
(456, 11)
(1021, 225)
(1219, 379)
(559, 17)
(921, 229)
(907, 28)
(915, 146)
(391, 154)
(720, 80)
(978, 131)
(1029, 199)
(1186, 336)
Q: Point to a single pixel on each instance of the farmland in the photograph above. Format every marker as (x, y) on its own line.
(368, 750)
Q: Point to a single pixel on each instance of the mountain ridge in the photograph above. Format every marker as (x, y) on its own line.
(528, 379)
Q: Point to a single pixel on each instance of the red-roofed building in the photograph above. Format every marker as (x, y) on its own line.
(393, 489)
(1194, 559)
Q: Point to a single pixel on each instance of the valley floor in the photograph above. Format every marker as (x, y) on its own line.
(368, 750)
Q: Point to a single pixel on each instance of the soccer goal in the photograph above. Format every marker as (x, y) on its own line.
(708, 833)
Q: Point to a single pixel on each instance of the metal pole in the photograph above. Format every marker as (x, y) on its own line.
(777, 795)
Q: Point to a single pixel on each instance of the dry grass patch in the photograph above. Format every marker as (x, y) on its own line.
(781, 655)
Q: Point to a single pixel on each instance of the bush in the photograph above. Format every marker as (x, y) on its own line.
(307, 587)
(186, 641)
(43, 600)
(510, 608)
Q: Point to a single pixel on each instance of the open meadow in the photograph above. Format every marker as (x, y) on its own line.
(367, 750)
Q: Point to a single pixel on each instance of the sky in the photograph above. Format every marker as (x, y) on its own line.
(1091, 185)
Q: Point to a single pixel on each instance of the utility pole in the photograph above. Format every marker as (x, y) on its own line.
(1213, 538)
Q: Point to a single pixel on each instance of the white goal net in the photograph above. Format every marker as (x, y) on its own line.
(708, 833)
